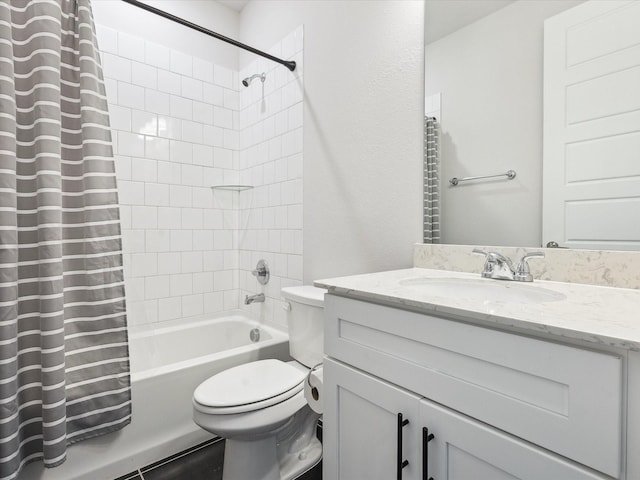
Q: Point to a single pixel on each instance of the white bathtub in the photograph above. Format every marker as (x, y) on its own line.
(167, 363)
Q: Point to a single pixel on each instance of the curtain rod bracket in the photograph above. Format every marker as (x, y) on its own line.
(290, 64)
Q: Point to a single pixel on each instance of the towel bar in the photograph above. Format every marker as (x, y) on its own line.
(511, 174)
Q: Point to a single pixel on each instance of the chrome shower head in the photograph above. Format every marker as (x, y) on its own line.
(248, 80)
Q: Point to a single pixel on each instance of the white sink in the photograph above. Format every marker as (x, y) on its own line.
(483, 290)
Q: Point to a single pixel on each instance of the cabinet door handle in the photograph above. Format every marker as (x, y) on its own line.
(400, 464)
(426, 438)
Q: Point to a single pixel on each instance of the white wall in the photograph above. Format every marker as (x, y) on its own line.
(489, 75)
(363, 107)
(209, 14)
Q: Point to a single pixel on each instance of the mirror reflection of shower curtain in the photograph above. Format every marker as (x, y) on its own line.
(64, 364)
(431, 182)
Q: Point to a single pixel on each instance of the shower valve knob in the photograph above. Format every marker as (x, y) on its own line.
(261, 272)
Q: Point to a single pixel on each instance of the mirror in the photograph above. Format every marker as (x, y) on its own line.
(484, 85)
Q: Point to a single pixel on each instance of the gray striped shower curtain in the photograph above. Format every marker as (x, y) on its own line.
(64, 366)
(431, 182)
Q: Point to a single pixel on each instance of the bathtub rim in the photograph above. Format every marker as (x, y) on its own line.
(277, 333)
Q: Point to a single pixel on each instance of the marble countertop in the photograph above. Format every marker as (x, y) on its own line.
(599, 315)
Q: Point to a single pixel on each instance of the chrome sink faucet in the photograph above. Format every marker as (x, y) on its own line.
(499, 267)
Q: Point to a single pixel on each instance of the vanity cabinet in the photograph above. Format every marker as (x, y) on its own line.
(374, 429)
(500, 405)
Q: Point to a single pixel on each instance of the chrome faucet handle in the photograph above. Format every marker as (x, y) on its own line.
(496, 265)
(523, 274)
(493, 256)
(489, 262)
(261, 272)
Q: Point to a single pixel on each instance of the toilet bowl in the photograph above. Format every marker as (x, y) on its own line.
(260, 407)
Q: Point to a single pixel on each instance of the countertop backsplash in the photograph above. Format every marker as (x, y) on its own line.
(592, 267)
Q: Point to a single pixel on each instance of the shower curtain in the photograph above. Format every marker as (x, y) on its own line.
(431, 182)
(64, 367)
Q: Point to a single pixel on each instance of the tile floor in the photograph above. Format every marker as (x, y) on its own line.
(202, 462)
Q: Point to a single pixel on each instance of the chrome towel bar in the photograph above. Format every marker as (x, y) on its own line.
(511, 174)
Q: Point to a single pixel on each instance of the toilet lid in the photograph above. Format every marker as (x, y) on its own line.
(250, 383)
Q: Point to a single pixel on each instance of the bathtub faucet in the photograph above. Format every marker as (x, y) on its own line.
(248, 299)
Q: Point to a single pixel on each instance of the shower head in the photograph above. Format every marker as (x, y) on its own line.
(248, 80)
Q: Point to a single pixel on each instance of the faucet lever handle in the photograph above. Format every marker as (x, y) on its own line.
(489, 261)
(493, 256)
(523, 274)
(496, 265)
(532, 255)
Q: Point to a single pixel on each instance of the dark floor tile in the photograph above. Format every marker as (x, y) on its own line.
(130, 476)
(182, 453)
(202, 464)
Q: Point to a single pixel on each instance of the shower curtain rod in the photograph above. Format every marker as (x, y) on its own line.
(290, 64)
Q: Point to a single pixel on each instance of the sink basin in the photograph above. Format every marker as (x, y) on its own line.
(483, 290)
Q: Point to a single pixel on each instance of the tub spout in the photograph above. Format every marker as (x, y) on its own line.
(248, 299)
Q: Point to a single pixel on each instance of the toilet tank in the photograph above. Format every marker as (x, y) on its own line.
(305, 318)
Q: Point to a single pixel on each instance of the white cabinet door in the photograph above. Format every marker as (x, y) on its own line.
(463, 449)
(360, 427)
(591, 164)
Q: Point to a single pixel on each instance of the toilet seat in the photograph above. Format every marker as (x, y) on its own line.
(249, 387)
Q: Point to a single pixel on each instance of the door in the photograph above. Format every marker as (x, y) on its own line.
(591, 155)
(361, 426)
(464, 449)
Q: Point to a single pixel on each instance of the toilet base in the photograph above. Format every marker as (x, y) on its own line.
(257, 460)
(299, 449)
(303, 461)
(251, 459)
(285, 455)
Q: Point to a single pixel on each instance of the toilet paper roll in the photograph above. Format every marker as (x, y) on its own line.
(313, 388)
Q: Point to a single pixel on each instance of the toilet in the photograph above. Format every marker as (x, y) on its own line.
(260, 407)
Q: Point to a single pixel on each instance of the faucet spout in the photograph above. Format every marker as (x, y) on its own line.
(496, 266)
(249, 299)
(500, 267)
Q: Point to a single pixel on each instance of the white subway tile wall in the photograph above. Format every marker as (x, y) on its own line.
(270, 146)
(180, 125)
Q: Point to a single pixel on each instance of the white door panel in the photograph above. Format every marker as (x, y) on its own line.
(591, 165)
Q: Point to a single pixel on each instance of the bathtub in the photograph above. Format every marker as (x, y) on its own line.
(167, 363)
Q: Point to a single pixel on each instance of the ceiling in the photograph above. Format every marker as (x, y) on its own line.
(236, 5)
(443, 17)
